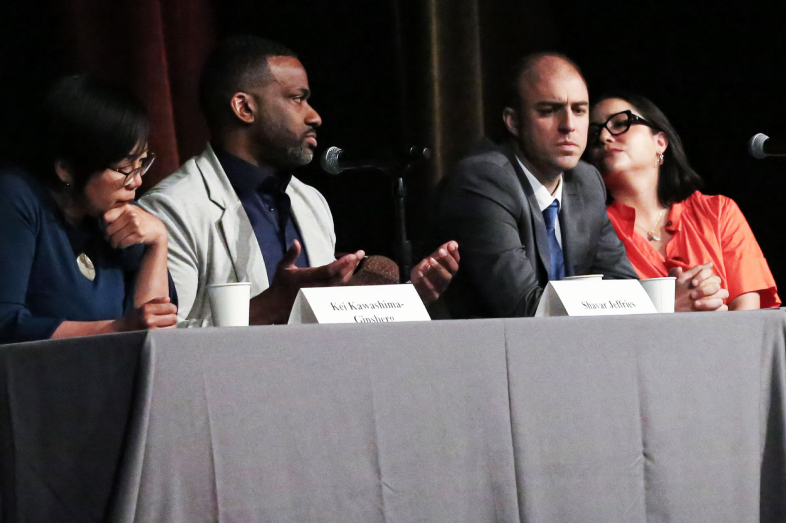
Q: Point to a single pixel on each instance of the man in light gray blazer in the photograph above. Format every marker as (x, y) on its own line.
(528, 210)
(235, 213)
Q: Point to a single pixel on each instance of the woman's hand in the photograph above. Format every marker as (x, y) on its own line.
(158, 313)
(128, 225)
(698, 289)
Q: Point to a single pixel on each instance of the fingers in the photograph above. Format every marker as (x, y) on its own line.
(291, 256)
(692, 273)
(706, 287)
(701, 276)
(705, 291)
(112, 214)
(712, 302)
(125, 236)
(710, 290)
(340, 271)
(437, 274)
(158, 306)
(162, 321)
(335, 273)
(453, 248)
(130, 225)
(709, 304)
(428, 293)
(446, 257)
(158, 313)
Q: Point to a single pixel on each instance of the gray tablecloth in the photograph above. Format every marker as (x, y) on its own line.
(640, 418)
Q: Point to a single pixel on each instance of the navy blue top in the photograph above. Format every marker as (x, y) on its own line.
(268, 207)
(40, 282)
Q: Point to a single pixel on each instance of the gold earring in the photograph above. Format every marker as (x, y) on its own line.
(659, 157)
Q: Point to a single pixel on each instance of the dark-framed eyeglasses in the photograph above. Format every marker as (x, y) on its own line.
(617, 124)
(144, 165)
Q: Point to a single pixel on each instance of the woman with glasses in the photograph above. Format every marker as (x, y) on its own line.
(77, 257)
(658, 211)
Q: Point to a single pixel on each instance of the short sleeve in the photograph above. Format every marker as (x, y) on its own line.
(746, 267)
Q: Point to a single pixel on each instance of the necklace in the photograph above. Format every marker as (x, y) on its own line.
(651, 236)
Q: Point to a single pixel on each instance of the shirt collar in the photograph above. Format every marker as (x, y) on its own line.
(542, 195)
(246, 177)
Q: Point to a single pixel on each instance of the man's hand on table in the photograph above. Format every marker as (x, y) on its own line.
(698, 289)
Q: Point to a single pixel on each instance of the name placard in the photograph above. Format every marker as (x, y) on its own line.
(358, 304)
(594, 298)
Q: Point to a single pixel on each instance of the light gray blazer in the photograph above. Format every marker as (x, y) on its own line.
(210, 236)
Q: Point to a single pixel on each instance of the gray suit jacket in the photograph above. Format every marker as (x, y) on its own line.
(211, 239)
(488, 206)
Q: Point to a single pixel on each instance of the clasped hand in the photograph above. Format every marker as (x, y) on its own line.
(698, 289)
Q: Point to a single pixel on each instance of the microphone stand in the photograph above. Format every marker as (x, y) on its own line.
(403, 246)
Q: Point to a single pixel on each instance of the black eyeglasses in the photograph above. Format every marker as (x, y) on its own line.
(144, 165)
(616, 124)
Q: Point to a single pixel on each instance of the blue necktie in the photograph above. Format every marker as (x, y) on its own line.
(557, 269)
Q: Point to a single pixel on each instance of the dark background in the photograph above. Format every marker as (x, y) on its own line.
(393, 73)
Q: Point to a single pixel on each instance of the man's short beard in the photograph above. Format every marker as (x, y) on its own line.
(299, 156)
(290, 157)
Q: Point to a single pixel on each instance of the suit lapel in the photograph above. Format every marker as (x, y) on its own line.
(234, 225)
(570, 209)
(538, 224)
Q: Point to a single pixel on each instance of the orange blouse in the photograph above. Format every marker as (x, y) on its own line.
(704, 228)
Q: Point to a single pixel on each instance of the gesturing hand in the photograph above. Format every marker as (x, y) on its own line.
(433, 274)
(274, 304)
(156, 314)
(128, 225)
(698, 289)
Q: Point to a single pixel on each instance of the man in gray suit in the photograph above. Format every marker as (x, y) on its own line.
(235, 213)
(529, 210)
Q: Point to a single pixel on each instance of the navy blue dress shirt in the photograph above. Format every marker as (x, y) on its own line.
(40, 282)
(269, 209)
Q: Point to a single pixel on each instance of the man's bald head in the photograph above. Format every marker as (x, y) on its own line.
(534, 68)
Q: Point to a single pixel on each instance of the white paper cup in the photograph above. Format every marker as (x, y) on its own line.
(662, 292)
(229, 303)
(584, 277)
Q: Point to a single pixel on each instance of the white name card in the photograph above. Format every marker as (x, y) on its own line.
(358, 304)
(594, 297)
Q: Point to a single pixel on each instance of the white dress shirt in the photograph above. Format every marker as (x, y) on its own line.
(544, 197)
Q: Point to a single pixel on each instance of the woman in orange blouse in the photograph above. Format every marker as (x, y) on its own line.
(658, 211)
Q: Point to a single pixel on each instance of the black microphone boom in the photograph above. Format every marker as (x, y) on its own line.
(761, 146)
(335, 161)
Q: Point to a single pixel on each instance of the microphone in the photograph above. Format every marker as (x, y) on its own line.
(335, 161)
(761, 146)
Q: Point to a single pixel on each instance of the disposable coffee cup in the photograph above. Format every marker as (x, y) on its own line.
(229, 303)
(662, 292)
(584, 277)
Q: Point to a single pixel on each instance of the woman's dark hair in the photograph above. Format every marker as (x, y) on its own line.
(89, 124)
(677, 179)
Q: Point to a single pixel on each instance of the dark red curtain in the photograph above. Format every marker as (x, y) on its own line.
(156, 48)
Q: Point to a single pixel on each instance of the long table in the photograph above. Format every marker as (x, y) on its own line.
(639, 418)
